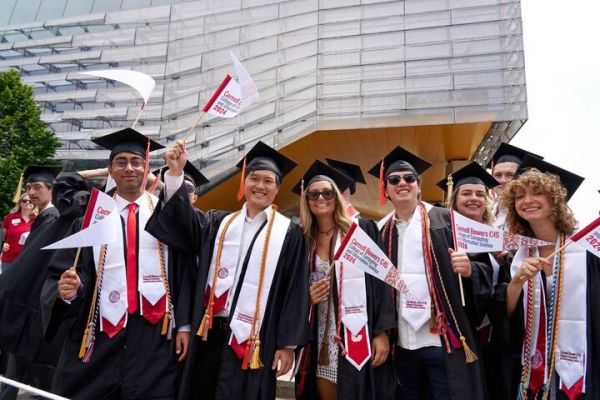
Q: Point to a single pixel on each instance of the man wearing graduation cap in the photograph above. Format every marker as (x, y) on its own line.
(121, 298)
(504, 165)
(436, 335)
(354, 175)
(251, 305)
(38, 184)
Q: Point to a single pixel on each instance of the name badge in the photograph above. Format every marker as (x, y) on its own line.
(15, 221)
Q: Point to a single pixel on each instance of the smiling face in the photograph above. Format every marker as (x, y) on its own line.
(403, 194)
(261, 187)
(471, 201)
(532, 204)
(321, 205)
(127, 169)
(26, 205)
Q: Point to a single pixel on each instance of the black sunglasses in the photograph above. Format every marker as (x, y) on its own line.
(396, 179)
(327, 195)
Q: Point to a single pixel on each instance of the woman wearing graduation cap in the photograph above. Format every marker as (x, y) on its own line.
(251, 306)
(554, 294)
(470, 196)
(330, 367)
(436, 334)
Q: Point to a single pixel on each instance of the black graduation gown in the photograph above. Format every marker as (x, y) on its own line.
(187, 229)
(516, 334)
(368, 383)
(465, 381)
(137, 363)
(46, 217)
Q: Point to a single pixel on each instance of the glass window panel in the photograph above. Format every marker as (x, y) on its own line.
(51, 9)
(106, 5)
(8, 6)
(78, 7)
(24, 11)
(133, 4)
(163, 2)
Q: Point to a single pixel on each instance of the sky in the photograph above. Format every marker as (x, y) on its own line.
(562, 67)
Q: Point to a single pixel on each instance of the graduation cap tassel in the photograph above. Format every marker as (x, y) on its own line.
(154, 184)
(382, 198)
(17, 196)
(470, 356)
(242, 189)
(165, 324)
(450, 188)
(246, 359)
(204, 326)
(255, 362)
(301, 220)
(84, 341)
(146, 167)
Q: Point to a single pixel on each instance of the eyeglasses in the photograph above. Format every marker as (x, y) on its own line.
(121, 163)
(396, 179)
(25, 201)
(314, 196)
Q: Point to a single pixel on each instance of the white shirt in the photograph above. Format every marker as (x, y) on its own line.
(408, 338)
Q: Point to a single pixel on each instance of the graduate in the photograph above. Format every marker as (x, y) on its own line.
(38, 184)
(127, 332)
(192, 179)
(504, 165)
(32, 359)
(330, 368)
(469, 194)
(252, 299)
(353, 172)
(553, 296)
(436, 340)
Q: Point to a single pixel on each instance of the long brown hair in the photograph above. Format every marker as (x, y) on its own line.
(340, 217)
(555, 192)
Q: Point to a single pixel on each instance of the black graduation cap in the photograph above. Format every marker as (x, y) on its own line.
(352, 171)
(41, 173)
(472, 173)
(397, 160)
(128, 140)
(569, 180)
(319, 171)
(400, 159)
(264, 157)
(509, 153)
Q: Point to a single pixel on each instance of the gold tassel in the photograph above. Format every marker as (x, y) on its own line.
(203, 329)
(255, 362)
(165, 324)
(470, 356)
(83, 343)
(19, 190)
(449, 189)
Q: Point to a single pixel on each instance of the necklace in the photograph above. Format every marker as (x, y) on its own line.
(327, 231)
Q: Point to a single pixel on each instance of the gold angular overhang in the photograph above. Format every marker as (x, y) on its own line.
(438, 144)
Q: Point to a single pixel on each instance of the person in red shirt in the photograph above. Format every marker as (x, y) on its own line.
(16, 227)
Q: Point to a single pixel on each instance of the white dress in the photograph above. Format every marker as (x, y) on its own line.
(329, 371)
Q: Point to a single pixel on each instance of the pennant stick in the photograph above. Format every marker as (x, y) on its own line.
(460, 282)
(138, 117)
(198, 120)
(561, 248)
(74, 266)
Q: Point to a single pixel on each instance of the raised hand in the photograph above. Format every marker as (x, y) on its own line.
(176, 157)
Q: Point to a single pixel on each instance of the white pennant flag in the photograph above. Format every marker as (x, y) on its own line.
(474, 237)
(100, 224)
(247, 85)
(591, 237)
(141, 82)
(359, 250)
(226, 101)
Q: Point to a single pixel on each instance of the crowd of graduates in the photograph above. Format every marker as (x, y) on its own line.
(195, 304)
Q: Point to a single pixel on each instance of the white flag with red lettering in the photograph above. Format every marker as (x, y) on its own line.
(100, 224)
(589, 237)
(247, 85)
(474, 237)
(226, 101)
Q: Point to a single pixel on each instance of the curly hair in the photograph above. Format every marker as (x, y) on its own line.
(488, 214)
(340, 216)
(555, 192)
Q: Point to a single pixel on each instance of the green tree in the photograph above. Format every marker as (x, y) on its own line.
(24, 138)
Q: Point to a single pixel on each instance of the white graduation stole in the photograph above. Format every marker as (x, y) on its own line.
(354, 312)
(243, 315)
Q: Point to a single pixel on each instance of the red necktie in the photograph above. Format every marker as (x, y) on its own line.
(132, 292)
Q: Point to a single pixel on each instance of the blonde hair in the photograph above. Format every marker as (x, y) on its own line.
(555, 192)
(17, 207)
(340, 217)
(488, 215)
